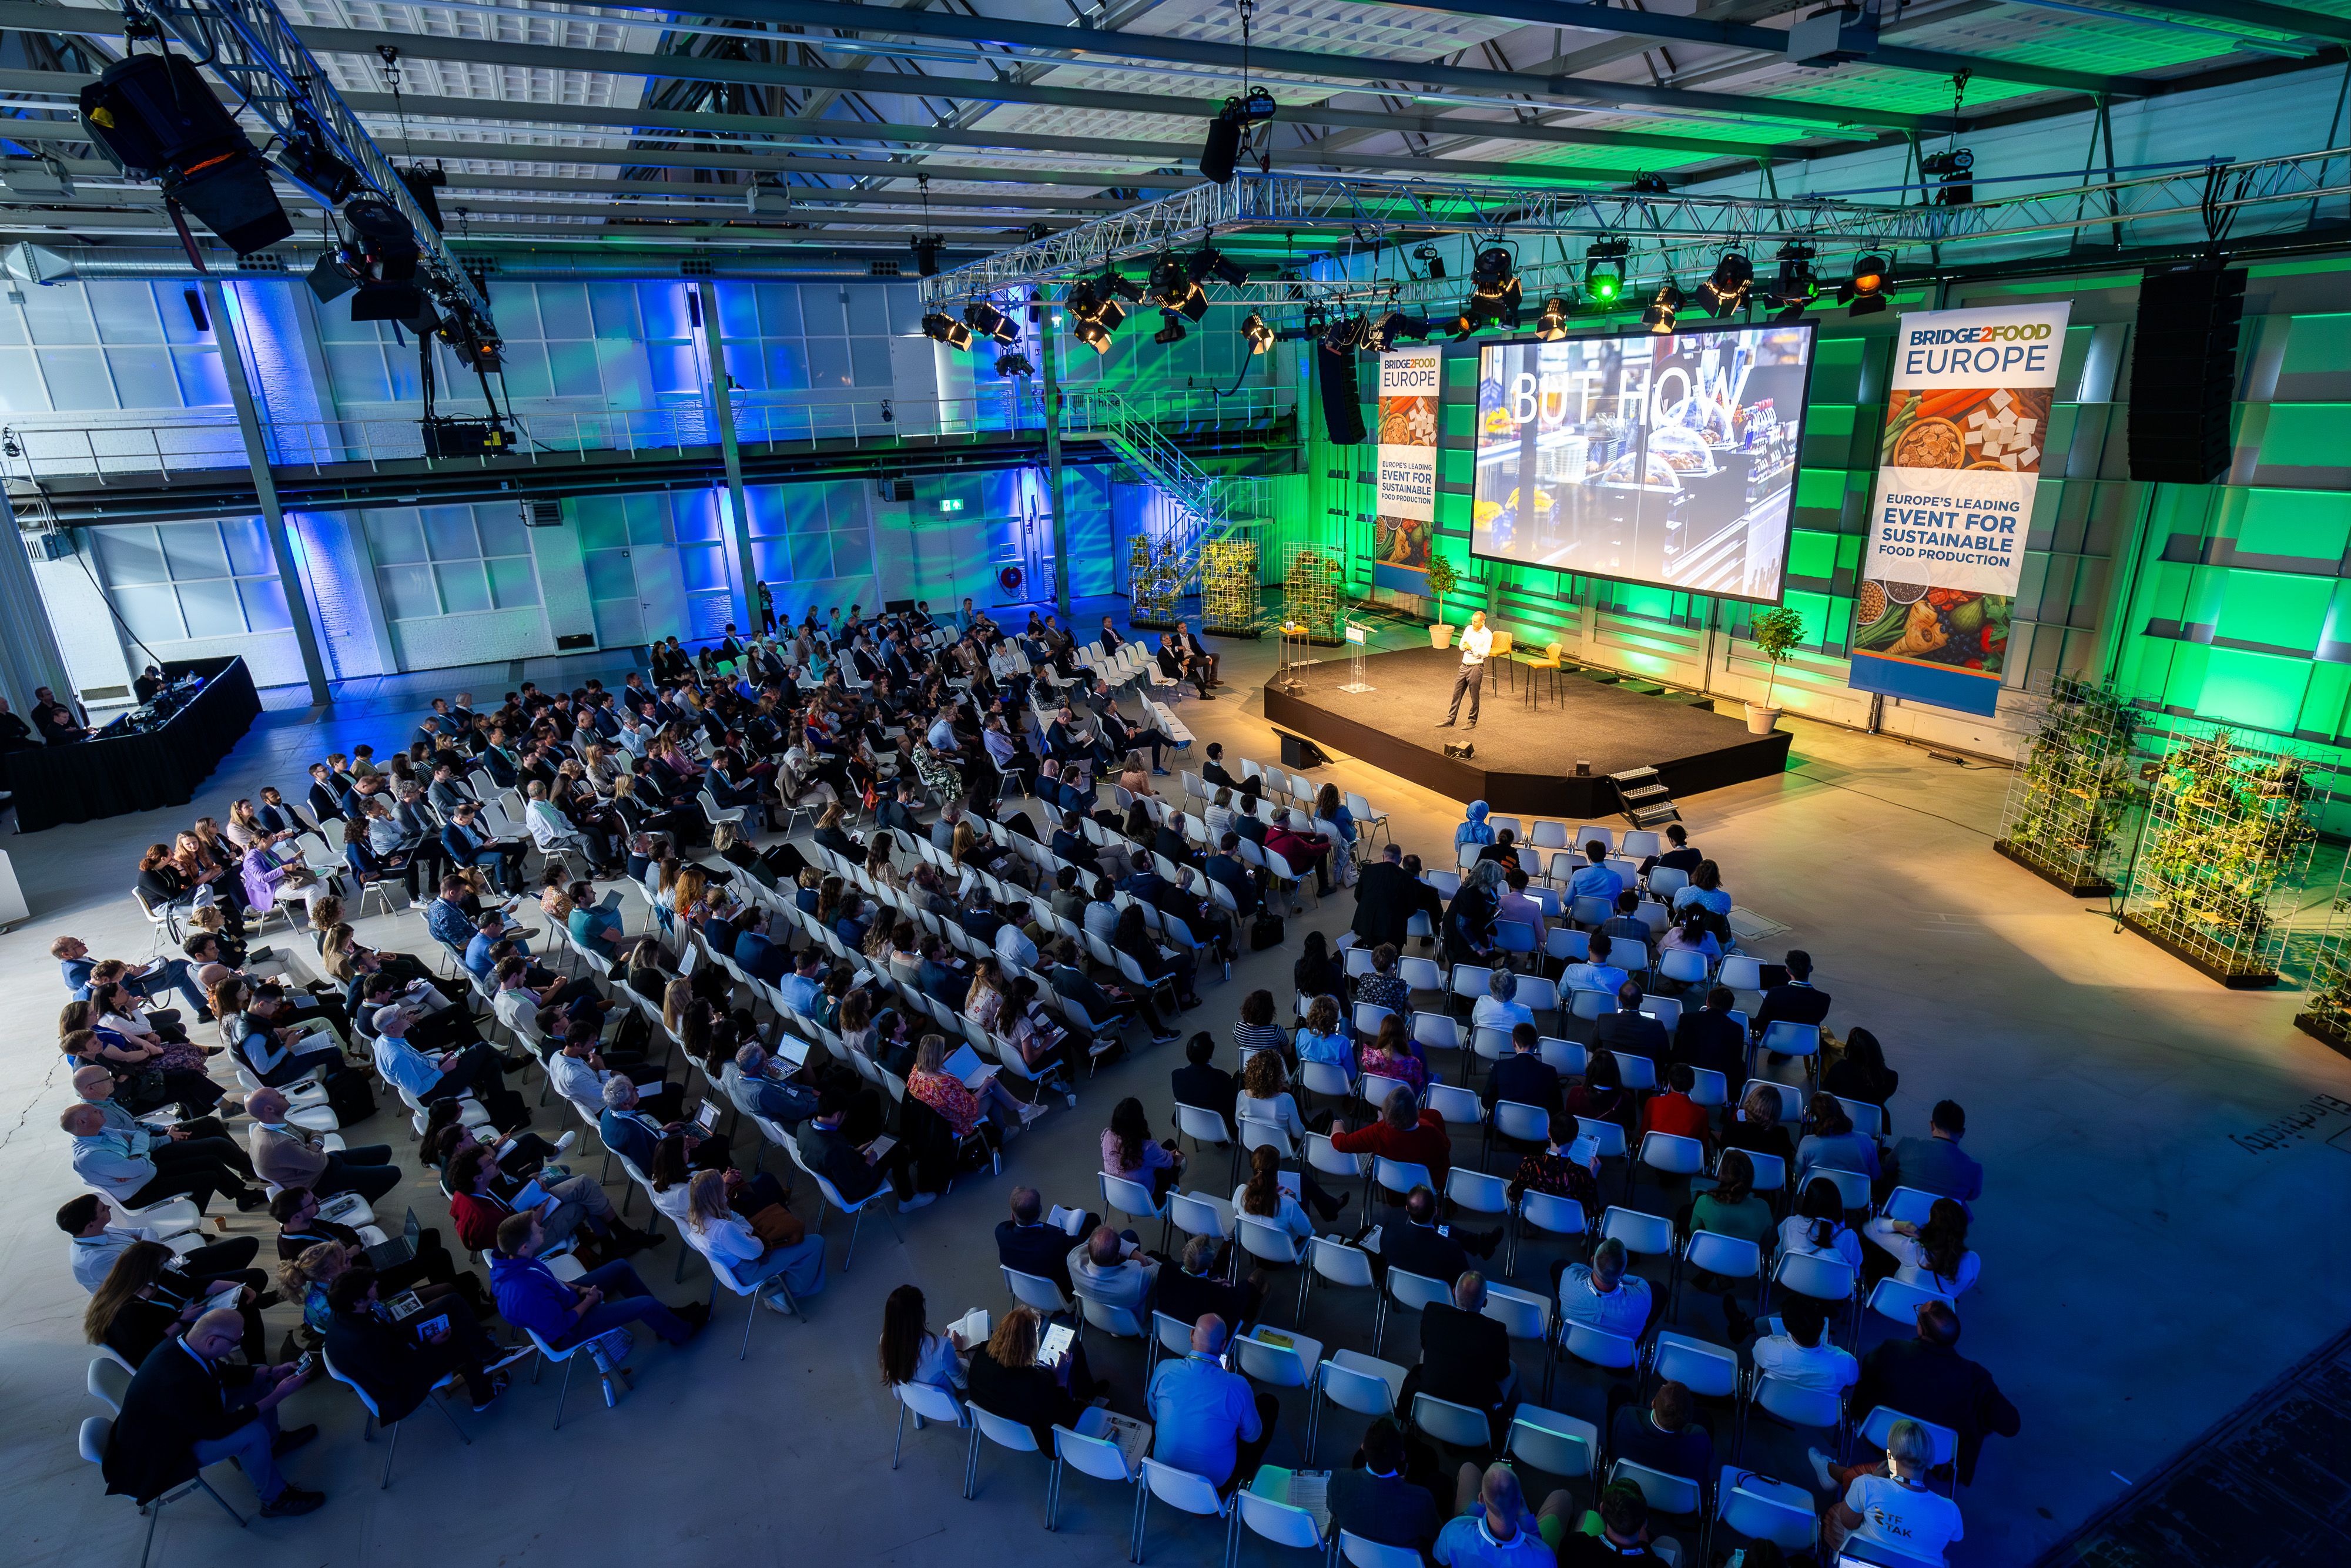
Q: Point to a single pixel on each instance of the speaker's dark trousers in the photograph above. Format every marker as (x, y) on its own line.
(1472, 679)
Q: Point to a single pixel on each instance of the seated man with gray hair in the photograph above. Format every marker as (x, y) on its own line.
(1493, 1528)
(286, 1156)
(759, 1086)
(632, 1131)
(1198, 1288)
(1890, 1504)
(477, 1070)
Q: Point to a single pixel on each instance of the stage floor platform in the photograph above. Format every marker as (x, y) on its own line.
(1526, 756)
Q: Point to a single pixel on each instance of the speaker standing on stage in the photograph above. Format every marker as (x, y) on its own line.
(1477, 642)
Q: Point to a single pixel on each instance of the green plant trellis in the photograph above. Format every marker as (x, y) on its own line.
(2070, 801)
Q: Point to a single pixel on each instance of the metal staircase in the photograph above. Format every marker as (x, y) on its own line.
(1208, 506)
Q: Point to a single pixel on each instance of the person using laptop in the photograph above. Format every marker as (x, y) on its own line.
(398, 1348)
(415, 1257)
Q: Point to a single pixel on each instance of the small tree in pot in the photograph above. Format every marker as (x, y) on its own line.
(1775, 633)
(1442, 580)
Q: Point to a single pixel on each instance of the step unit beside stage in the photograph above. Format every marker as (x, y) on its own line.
(1527, 751)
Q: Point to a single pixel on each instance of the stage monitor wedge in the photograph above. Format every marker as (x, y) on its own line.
(1666, 459)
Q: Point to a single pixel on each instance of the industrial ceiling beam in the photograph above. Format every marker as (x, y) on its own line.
(2255, 13)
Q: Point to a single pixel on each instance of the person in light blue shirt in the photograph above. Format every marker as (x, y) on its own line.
(1477, 829)
(489, 931)
(1493, 1528)
(445, 917)
(477, 1068)
(802, 990)
(1596, 880)
(1208, 1421)
(1321, 1037)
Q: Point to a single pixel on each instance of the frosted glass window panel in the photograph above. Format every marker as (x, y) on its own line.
(811, 556)
(649, 520)
(770, 515)
(449, 533)
(21, 389)
(870, 361)
(905, 311)
(787, 367)
(572, 367)
(62, 315)
(609, 575)
(827, 364)
(779, 309)
(144, 374)
(514, 585)
(664, 310)
(821, 311)
(401, 369)
(11, 328)
(202, 383)
(356, 371)
(212, 609)
(527, 374)
(772, 561)
(602, 522)
(152, 614)
(869, 309)
(697, 517)
(739, 312)
(613, 308)
(674, 368)
(748, 367)
(563, 311)
(408, 593)
(463, 589)
(249, 547)
(264, 604)
(703, 566)
(621, 371)
(516, 308)
(77, 380)
(336, 326)
(803, 509)
(395, 537)
(126, 312)
(130, 554)
(193, 549)
(502, 529)
(852, 553)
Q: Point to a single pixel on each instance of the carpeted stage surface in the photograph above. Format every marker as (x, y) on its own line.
(1526, 753)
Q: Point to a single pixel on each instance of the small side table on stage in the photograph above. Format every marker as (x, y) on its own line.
(1357, 636)
(1293, 648)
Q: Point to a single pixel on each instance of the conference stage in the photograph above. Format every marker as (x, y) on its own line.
(1526, 756)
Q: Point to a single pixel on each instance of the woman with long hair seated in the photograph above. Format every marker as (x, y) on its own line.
(964, 1108)
(1129, 1151)
(769, 1247)
(146, 1299)
(1006, 1380)
(1389, 1054)
(911, 1352)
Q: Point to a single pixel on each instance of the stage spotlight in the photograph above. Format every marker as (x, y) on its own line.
(1014, 365)
(1382, 333)
(926, 249)
(1495, 284)
(1795, 286)
(1551, 325)
(1210, 262)
(1259, 335)
(1081, 301)
(1094, 335)
(1345, 335)
(1112, 282)
(1649, 185)
(154, 117)
(987, 320)
(942, 328)
(330, 278)
(1170, 328)
(1108, 315)
(1956, 168)
(1604, 270)
(1864, 291)
(1726, 288)
(1663, 307)
(1428, 253)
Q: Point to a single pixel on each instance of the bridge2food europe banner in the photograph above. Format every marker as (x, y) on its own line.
(1961, 454)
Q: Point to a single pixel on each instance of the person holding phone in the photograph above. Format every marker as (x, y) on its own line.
(398, 1362)
(189, 1405)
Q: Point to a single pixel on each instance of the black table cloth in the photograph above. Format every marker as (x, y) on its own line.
(114, 774)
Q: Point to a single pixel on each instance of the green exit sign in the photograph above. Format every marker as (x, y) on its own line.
(951, 504)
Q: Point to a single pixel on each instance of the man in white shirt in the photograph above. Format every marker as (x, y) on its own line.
(1800, 1355)
(1477, 642)
(1012, 944)
(1894, 1508)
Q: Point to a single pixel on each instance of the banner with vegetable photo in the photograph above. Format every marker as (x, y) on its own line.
(1406, 525)
(1957, 466)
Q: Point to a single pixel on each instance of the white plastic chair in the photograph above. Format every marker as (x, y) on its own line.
(1356, 1381)
(1183, 1489)
(924, 1402)
(96, 1432)
(375, 1414)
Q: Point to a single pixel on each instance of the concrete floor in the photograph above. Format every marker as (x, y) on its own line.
(2160, 1230)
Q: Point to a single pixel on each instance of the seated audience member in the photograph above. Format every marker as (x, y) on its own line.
(301, 1226)
(760, 1086)
(1422, 1246)
(1112, 1270)
(911, 1352)
(99, 1241)
(1197, 1286)
(1663, 1437)
(1464, 1356)
(1629, 1030)
(1492, 1527)
(767, 1248)
(1027, 1245)
(1936, 1162)
(1832, 1143)
(1495, 1009)
(1818, 1226)
(532, 1299)
(1674, 1111)
(1403, 1133)
(1754, 1126)
(199, 1140)
(1524, 1077)
(1129, 1151)
(1860, 1073)
(1800, 1354)
(1888, 1502)
(482, 1197)
(1934, 1256)
(1605, 1294)
(1796, 1001)
(1322, 1038)
(631, 1131)
(1005, 1379)
(1201, 1083)
(1623, 1516)
(121, 1166)
(477, 1070)
(286, 1156)
(1709, 1040)
(1391, 1054)
(398, 1365)
(1925, 1376)
(146, 1300)
(189, 1405)
(1374, 1502)
(855, 1170)
(1678, 855)
(1602, 1096)
(1595, 973)
(1209, 1420)
(1554, 1169)
(1626, 925)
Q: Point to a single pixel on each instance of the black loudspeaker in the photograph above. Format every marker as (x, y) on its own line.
(1297, 751)
(1343, 405)
(1222, 149)
(2184, 374)
(1463, 750)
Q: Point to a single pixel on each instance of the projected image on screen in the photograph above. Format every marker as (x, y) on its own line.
(1668, 460)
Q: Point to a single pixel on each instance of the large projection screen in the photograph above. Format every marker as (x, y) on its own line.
(1660, 458)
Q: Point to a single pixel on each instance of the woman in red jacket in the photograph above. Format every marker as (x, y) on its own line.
(1405, 1133)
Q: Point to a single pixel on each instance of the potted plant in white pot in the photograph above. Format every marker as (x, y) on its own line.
(1775, 633)
(1442, 580)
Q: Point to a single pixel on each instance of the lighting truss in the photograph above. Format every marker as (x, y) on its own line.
(248, 45)
(1669, 224)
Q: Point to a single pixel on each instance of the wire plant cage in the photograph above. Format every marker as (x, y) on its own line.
(1155, 585)
(1228, 587)
(1311, 577)
(2224, 852)
(2069, 807)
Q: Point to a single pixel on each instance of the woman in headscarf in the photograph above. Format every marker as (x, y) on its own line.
(1476, 830)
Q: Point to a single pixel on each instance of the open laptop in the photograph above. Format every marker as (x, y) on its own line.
(402, 1247)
